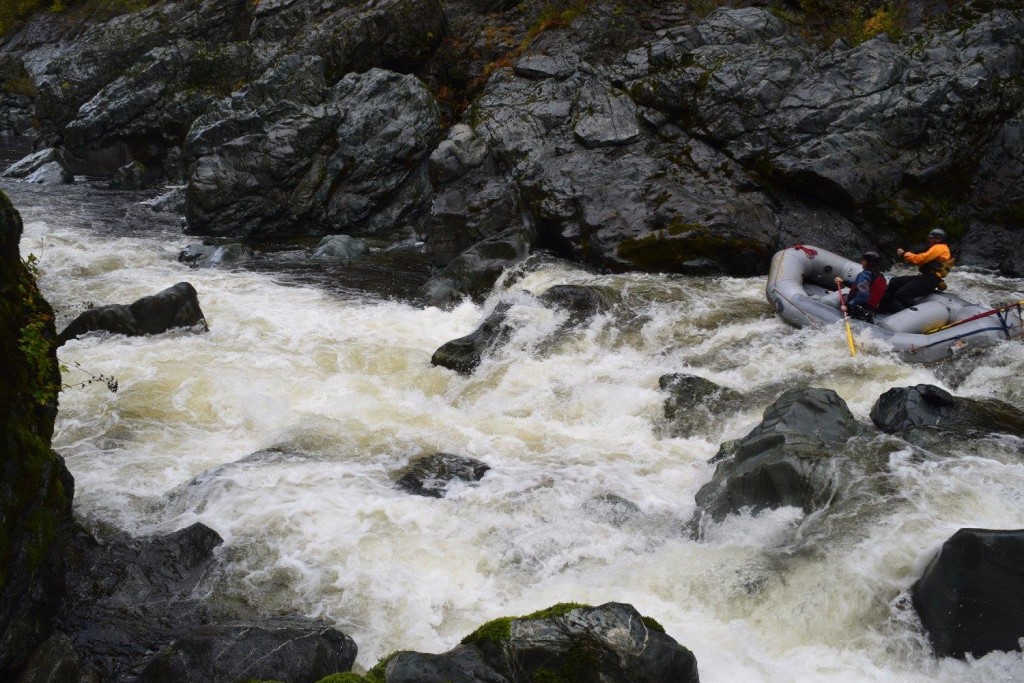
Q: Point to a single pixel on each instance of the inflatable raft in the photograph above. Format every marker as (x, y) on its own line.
(801, 286)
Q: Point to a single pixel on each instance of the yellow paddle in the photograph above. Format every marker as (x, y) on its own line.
(846, 319)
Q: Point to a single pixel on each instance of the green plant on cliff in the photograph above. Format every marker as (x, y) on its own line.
(34, 341)
(14, 13)
(853, 20)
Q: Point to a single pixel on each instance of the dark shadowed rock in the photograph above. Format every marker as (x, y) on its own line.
(176, 306)
(297, 651)
(971, 596)
(794, 457)
(431, 475)
(474, 271)
(464, 354)
(56, 661)
(580, 302)
(904, 409)
(131, 176)
(36, 489)
(693, 402)
(611, 642)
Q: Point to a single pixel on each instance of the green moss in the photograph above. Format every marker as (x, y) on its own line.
(652, 624)
(500, 629)
(347, 677)
(581, 665)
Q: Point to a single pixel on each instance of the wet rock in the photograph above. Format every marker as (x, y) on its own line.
(142, 116)
(176, 306)
(172, 201)
(56, 661)
(131, 176)
(432, 475)
(129, 597)
(16, 97)
(32, 163)
(693, 402)
(971, 596)
(464, 354)
(210, 256)
(611, 642)
(994, 247)
(53, 173)
(904, 409)
(36, 490)
(794, 457)
(474, 271)
(348, 159)
(342, 247)
(302, 651)
(579, 301)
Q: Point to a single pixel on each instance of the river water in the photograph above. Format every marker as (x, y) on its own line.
(282, 427)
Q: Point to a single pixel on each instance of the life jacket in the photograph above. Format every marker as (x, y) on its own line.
(877, 291)
(937, 267)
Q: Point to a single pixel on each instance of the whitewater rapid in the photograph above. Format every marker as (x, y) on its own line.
(282, 427)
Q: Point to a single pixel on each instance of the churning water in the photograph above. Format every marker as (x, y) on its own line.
(281, 428)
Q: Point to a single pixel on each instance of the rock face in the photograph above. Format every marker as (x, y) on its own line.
(431, 475)
(971, 596)
(36, 489)
(280, 650)
(907, 408)
(611, 642)
(176, 306)
(311, 159)
(792, 458)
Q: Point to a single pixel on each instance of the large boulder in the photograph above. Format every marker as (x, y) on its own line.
(794, 457)
(432, 475)
(903, 409)
(304, 159)
(611, 642)
(36, 489)
(297, 651)
(176, 306)
(971, 596)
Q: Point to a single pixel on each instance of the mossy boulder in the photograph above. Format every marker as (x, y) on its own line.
(36, 489)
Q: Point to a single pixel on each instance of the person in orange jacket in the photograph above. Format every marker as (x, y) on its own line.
(934, 264)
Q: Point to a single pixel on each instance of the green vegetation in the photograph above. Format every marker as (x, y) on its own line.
(501, 629)
(852, 20)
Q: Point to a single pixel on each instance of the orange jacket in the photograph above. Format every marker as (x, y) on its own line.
(936, 252)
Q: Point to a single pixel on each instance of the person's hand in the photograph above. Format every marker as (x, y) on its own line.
(839, 280)
(900, 252)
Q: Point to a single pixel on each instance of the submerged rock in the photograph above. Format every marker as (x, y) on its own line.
(214, 255)
(176, 306)
(792, 458)
(298, 651)
(431, 475)
(971, 596)
(342, 247)
(693, 402)
(611, 642)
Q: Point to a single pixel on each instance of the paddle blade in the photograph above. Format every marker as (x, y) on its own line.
(849, 339)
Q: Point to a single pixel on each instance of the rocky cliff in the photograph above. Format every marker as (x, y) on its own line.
(36, 488)
(656, 136)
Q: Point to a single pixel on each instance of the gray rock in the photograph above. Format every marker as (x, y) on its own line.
(131, 176)
(341, 246)
(172, 201)
(56, 661)
(214, 255)
(31, 163)
(176, 306)
(999, 248)
(303, 651)
(611, 642)
(432, 475)
(355, 163)
(903, 409)
(694, 402)
(52, 173)
(794, 457)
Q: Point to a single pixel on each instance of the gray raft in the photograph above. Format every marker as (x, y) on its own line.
(801, 286)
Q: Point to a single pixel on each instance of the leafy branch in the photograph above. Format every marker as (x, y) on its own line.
(111, 381)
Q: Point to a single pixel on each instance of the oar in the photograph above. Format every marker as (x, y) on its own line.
(846, 319)
(998, 309)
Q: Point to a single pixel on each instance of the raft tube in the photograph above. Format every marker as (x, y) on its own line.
(801, 286)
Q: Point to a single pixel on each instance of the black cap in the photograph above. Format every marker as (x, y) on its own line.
(872, 258)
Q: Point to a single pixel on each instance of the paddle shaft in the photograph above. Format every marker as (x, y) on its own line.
(846, 319)
(998, 309)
